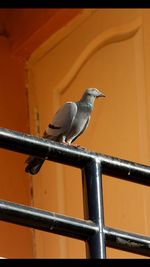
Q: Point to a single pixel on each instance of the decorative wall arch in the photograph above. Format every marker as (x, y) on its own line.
(109, 36)
(123, 32)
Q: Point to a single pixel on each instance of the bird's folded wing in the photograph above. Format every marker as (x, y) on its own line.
(62, 120)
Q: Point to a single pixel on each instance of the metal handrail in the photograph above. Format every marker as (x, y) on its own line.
(92, 230)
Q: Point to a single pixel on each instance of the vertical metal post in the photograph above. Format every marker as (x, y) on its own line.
(93, 208)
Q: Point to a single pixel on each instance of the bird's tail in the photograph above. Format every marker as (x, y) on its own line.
(34, 164)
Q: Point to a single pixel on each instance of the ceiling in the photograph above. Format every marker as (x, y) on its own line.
(21, 25)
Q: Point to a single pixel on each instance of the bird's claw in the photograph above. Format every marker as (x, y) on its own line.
(73, 145)
(78, 146)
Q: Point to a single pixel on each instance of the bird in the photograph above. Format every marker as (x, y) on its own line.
(69, 122)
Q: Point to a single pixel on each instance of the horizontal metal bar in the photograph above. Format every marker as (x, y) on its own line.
(46, 221)
(68, 226)
(127, 241)
(127, 170)
(50, 150)
(42, 147)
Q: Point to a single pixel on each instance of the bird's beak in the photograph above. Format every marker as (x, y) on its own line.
(101, 95)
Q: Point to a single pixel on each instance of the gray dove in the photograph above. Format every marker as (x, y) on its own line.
(69, 122)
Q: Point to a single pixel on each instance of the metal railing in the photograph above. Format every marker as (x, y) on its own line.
(93, 165)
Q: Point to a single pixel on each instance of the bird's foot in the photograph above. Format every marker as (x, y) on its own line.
(74, 145)
(65, 143)
(78, 146)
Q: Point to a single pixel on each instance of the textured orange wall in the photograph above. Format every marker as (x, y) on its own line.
(15, 241)
(26, 29)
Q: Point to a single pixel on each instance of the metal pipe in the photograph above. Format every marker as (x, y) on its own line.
(93, 165)
(127, 170)
(46, 221)
(50, 150)
(126, 241)
(93, 201)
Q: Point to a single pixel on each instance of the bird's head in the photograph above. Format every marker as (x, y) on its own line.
(90, 95)
(94, 92)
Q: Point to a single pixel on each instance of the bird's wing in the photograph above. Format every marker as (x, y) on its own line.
(82, 129)
(62, 120)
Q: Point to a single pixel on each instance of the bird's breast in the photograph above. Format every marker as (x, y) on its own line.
(80, 121)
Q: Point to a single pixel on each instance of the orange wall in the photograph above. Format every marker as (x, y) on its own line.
(15, 241)
(26, 29)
